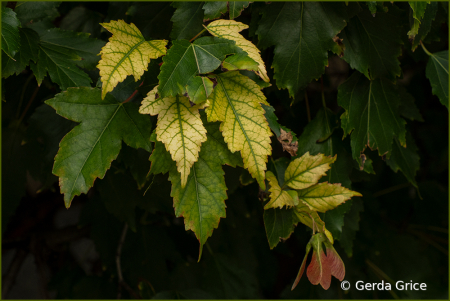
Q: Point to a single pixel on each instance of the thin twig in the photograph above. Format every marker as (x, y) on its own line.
(23, 94)
(13, 270)
(307, 107)
(323, 94)
(190, 41)
(29, 104)
(122, 282)
(134, 94)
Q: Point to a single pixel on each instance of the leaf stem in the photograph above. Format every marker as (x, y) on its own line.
(122, 283)
(28, 104)
(323, 94)
(190, 41)
(23, 94)
(307, 107)
(424, 49)
(134, 94)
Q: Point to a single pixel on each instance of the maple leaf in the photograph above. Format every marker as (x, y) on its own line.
(202, 201)
(10, 32)
(229, 29)
(179, 127)
(199, 88)
(59, 53)
(371, 114)
(425, 24)
(187, 20)
(87, 151)
(184, 61)
(302, 33)
(305, 171)
(279, 197)
(29, 50)
(235, 102)
(324, 196)
(126, 53)
(437, 73)
(373, 45)
(214, 9)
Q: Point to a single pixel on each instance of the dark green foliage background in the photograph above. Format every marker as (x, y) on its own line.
(390, 229)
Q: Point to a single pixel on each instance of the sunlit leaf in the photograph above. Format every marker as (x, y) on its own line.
(179, 127)
(324, 196)
(306, 171)
(235, 102)
(126, 53)
(229, 29)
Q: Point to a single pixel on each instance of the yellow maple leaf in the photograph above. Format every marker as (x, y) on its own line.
(235, 101)
(229, 29)
(126, 53)
(278, 197)
(179, 127)
(305, 171)
(324, 196)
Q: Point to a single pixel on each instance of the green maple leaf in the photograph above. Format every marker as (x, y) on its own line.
(185, 60)
(32, 11)
(199, 88)
(437, 73)
(87, 151)
(10, 32)
(59, 53)
(372, 116)
(373, 44)
(405, 159)
(29, 49)
(279, 224)
(236, 102)
(236, 8)
(302, 33)
(418, 9)
(161, 160)
(187, 20)
(215, 9)
(202, 201)
(425, 24)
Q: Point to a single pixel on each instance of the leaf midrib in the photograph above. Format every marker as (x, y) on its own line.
(240, 124)
(92, 148)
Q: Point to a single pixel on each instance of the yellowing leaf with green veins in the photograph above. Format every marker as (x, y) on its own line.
(324, 196)
(179, 127)
(202, 201)
(126, 53)
(229, 29)
(309, 218)
(235, 101)
(305, 171)
(278, 197)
